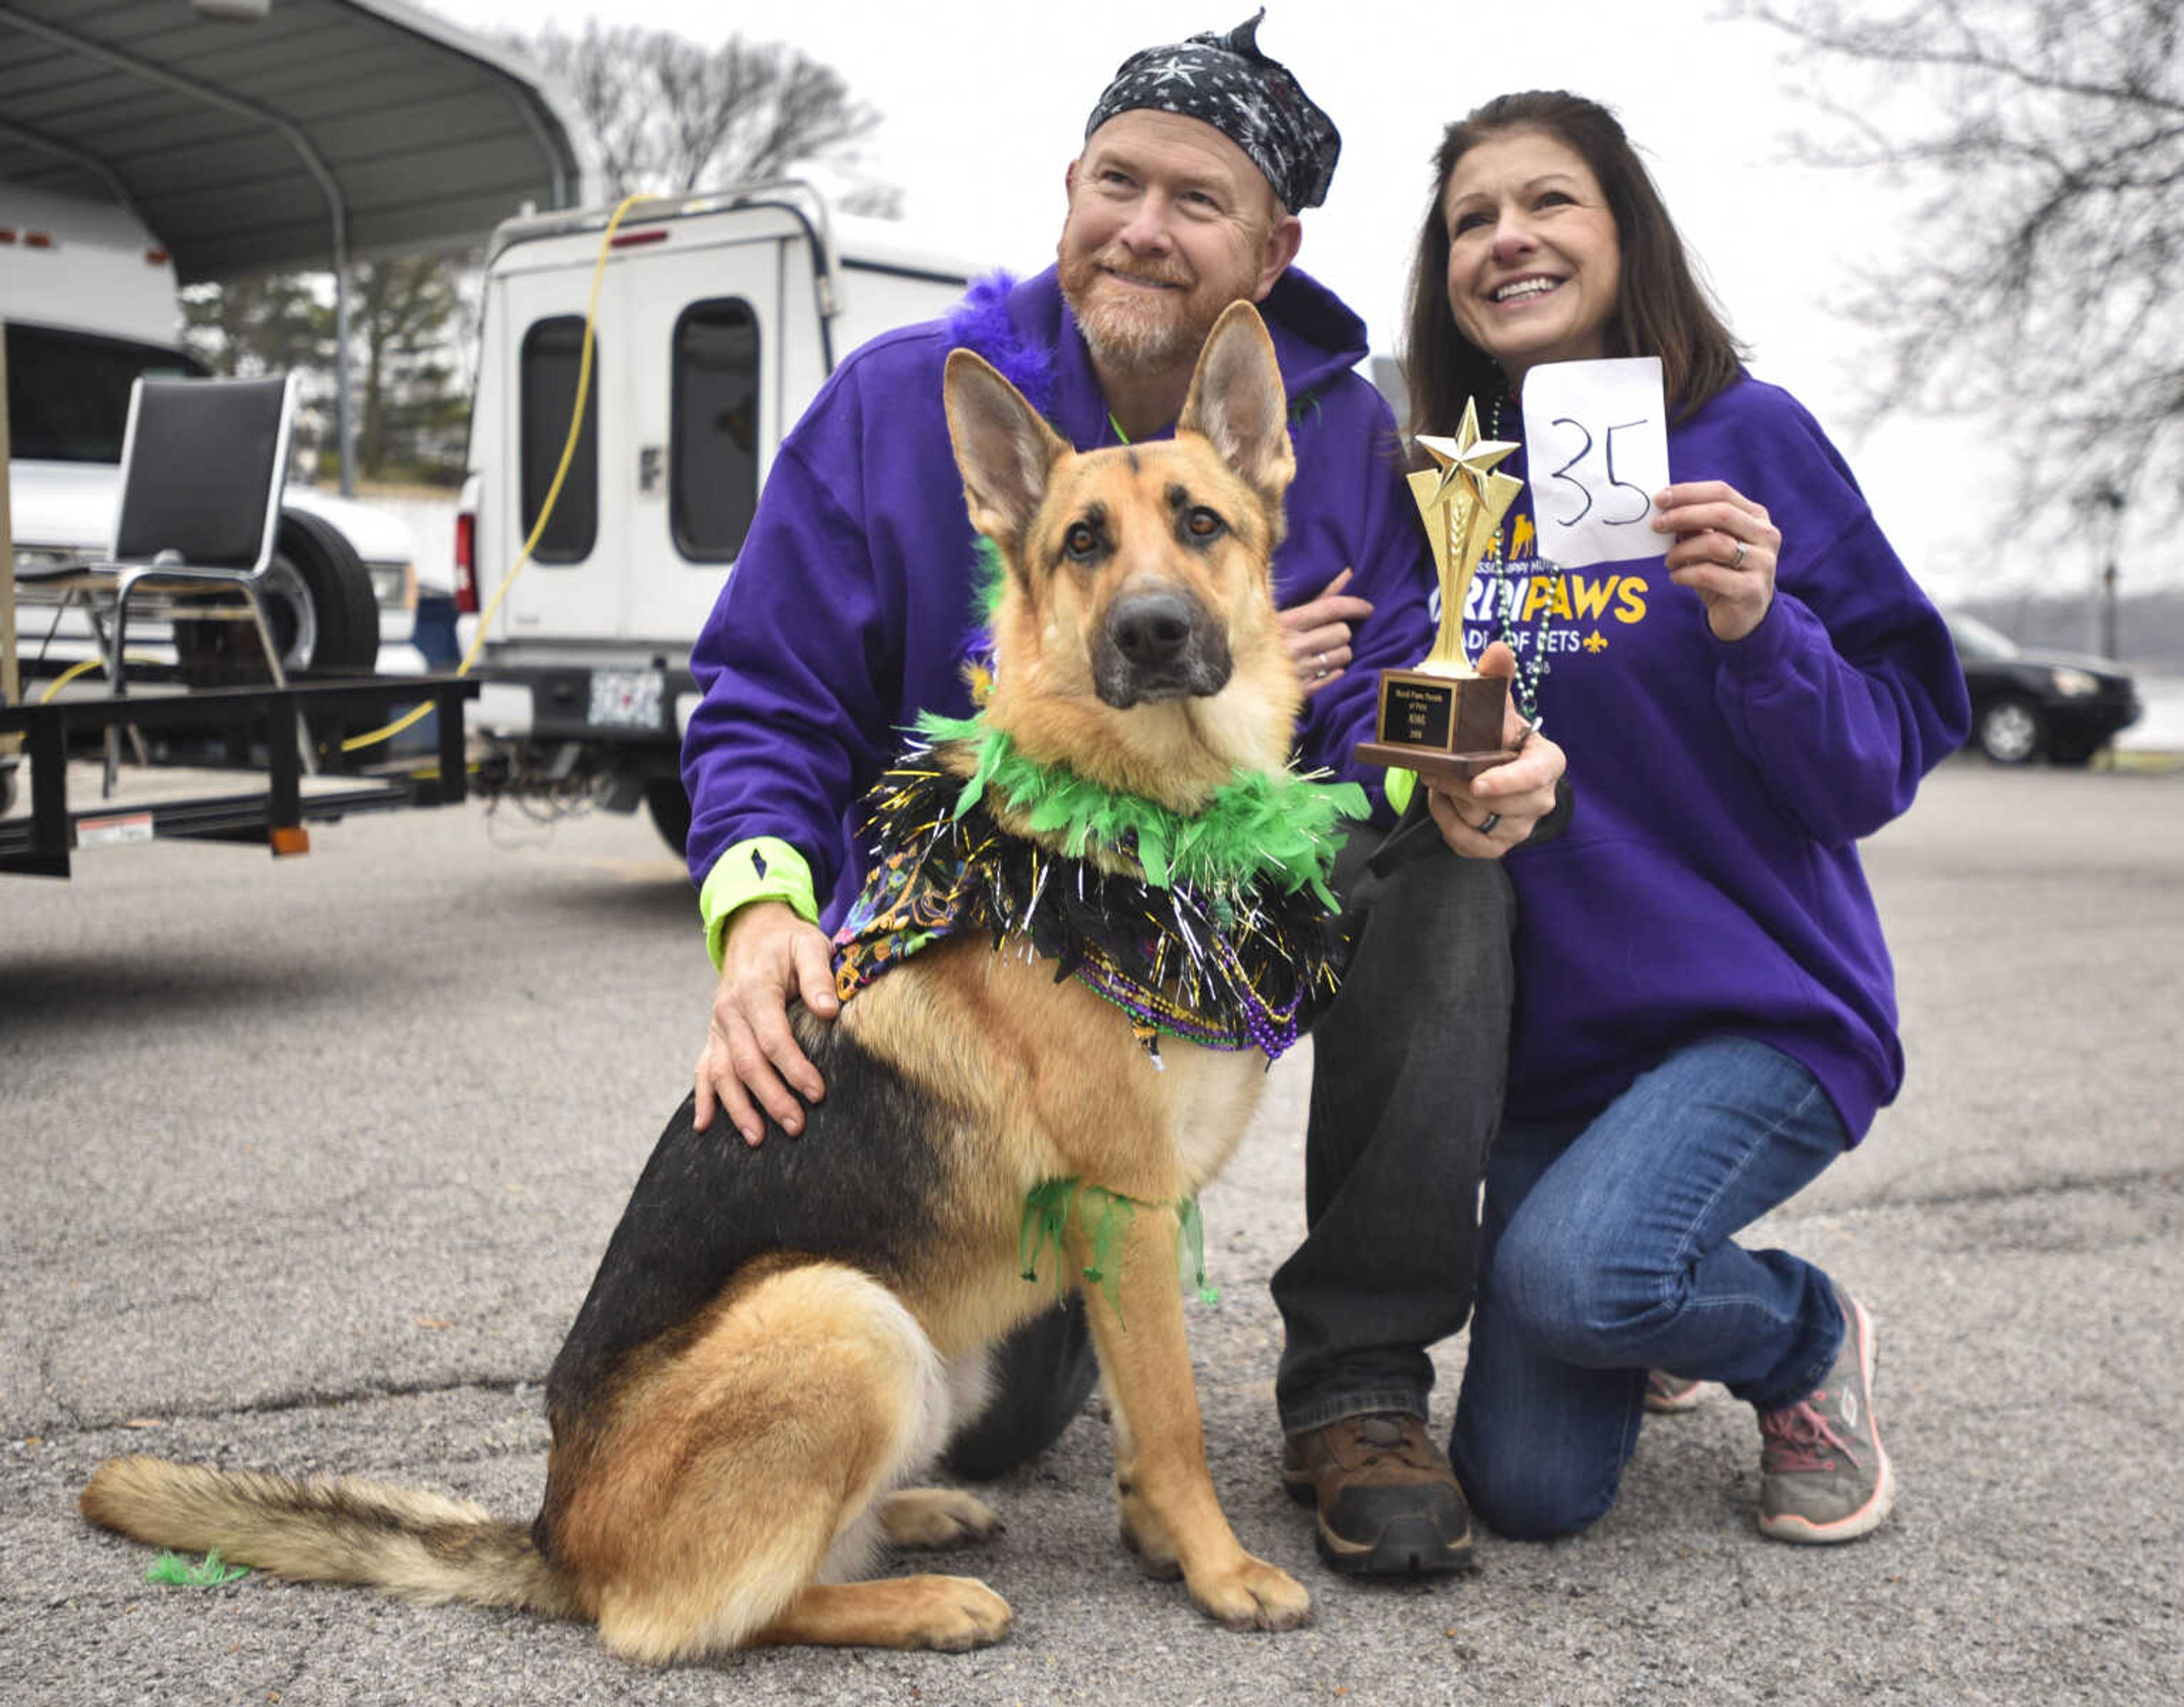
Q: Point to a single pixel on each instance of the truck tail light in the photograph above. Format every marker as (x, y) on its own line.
(466, 582)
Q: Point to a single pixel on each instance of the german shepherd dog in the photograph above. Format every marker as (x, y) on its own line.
(778, 1337)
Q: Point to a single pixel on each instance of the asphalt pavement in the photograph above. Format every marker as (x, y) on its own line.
(306, 1165)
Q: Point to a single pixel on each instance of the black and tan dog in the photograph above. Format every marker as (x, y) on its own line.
(777, 1337)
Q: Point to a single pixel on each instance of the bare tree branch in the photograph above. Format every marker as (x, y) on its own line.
(670, 116)
(2043, 141)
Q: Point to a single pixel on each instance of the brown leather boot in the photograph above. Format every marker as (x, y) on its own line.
(1387, 1502)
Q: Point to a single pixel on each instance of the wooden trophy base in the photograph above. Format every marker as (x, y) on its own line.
(1446, 728)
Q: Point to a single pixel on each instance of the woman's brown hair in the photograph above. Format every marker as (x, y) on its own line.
(1662, 309)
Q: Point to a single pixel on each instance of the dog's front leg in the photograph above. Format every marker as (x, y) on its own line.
(1166, 1499)
(1142, 1532)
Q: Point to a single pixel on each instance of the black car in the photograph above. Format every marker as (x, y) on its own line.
(2028, 705)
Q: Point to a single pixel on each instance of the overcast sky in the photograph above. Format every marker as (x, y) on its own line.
(982, 111)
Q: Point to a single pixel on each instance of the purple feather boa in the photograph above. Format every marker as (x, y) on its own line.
(982, 322)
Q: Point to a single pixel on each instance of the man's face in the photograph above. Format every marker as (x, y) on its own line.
(1169, 222)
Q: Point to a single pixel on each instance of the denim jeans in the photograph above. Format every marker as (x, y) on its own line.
(1607, 1249)
(1408, 1069)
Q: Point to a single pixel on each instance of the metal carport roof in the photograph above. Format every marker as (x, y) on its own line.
(268, 135)
(318, 130)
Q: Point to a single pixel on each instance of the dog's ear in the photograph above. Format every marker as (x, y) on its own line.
(1236, 402)
(1006, 452)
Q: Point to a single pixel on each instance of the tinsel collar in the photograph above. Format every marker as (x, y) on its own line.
(1216, 928)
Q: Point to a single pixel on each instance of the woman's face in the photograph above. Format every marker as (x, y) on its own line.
(1534, 262)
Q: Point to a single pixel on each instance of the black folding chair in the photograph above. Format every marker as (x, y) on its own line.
(203, 463)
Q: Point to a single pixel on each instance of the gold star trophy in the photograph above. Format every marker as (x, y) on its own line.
(1443, 719)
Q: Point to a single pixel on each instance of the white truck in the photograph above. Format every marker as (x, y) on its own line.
(720, 316)
(89, 298)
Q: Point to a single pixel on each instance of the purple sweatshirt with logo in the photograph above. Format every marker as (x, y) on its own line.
(851, 608)
(1710, 880)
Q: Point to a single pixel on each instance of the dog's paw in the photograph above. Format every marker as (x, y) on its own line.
(955, 1614)
(936, 1517)
(1147, 1538)
(1252, 1595)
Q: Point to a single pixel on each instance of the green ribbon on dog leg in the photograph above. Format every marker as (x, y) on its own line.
(1046, 1216)
(1046, 1213)
(172, 1569)
(1105, 1270)
(1191, 1251)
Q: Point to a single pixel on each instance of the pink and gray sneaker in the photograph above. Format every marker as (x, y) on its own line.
(1823, 1475)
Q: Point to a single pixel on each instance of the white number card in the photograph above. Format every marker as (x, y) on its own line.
(1597, 448)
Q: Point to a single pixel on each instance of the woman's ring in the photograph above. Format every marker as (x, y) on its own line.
(1487, 824)
(1737, 562)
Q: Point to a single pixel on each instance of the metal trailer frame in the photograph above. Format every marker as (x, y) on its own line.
(267, 808)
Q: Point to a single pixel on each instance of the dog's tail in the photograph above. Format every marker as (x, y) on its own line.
(415, 1545)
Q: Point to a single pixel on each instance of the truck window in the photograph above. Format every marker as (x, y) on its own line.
(68, 392)
(713, 449)
(553, 352)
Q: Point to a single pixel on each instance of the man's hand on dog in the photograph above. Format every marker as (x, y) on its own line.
(1319, 633)
(751, 1058)
(1507, 800)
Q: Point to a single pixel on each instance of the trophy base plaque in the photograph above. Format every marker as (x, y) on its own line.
(1446, 728)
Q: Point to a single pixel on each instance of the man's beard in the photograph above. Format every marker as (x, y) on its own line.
(1131, 331)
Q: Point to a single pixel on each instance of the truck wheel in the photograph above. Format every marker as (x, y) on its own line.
(322, 611)
(670, 810)
(319, 603)
(2011, 732)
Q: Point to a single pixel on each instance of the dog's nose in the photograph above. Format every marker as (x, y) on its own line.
(1151, 628)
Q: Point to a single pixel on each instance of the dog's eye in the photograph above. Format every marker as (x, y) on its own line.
(1081, 542)
(1202, 524)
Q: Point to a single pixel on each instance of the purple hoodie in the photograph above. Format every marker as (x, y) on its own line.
(1710, 880)
(851, 608)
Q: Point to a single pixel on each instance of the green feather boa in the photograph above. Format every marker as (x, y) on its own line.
(1256, 828)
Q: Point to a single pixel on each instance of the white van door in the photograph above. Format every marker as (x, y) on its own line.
(678, 425)
(566, 590)
(705, 402)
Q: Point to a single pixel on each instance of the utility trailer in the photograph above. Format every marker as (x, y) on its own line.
(262, 797)
(232, 758)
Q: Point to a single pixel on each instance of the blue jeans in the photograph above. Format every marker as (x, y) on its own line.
(1606, 1249)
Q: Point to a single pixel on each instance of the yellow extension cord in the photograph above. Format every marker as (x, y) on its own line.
(553, 493)
(77, 669)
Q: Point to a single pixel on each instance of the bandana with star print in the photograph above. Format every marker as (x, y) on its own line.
(1225, 81)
